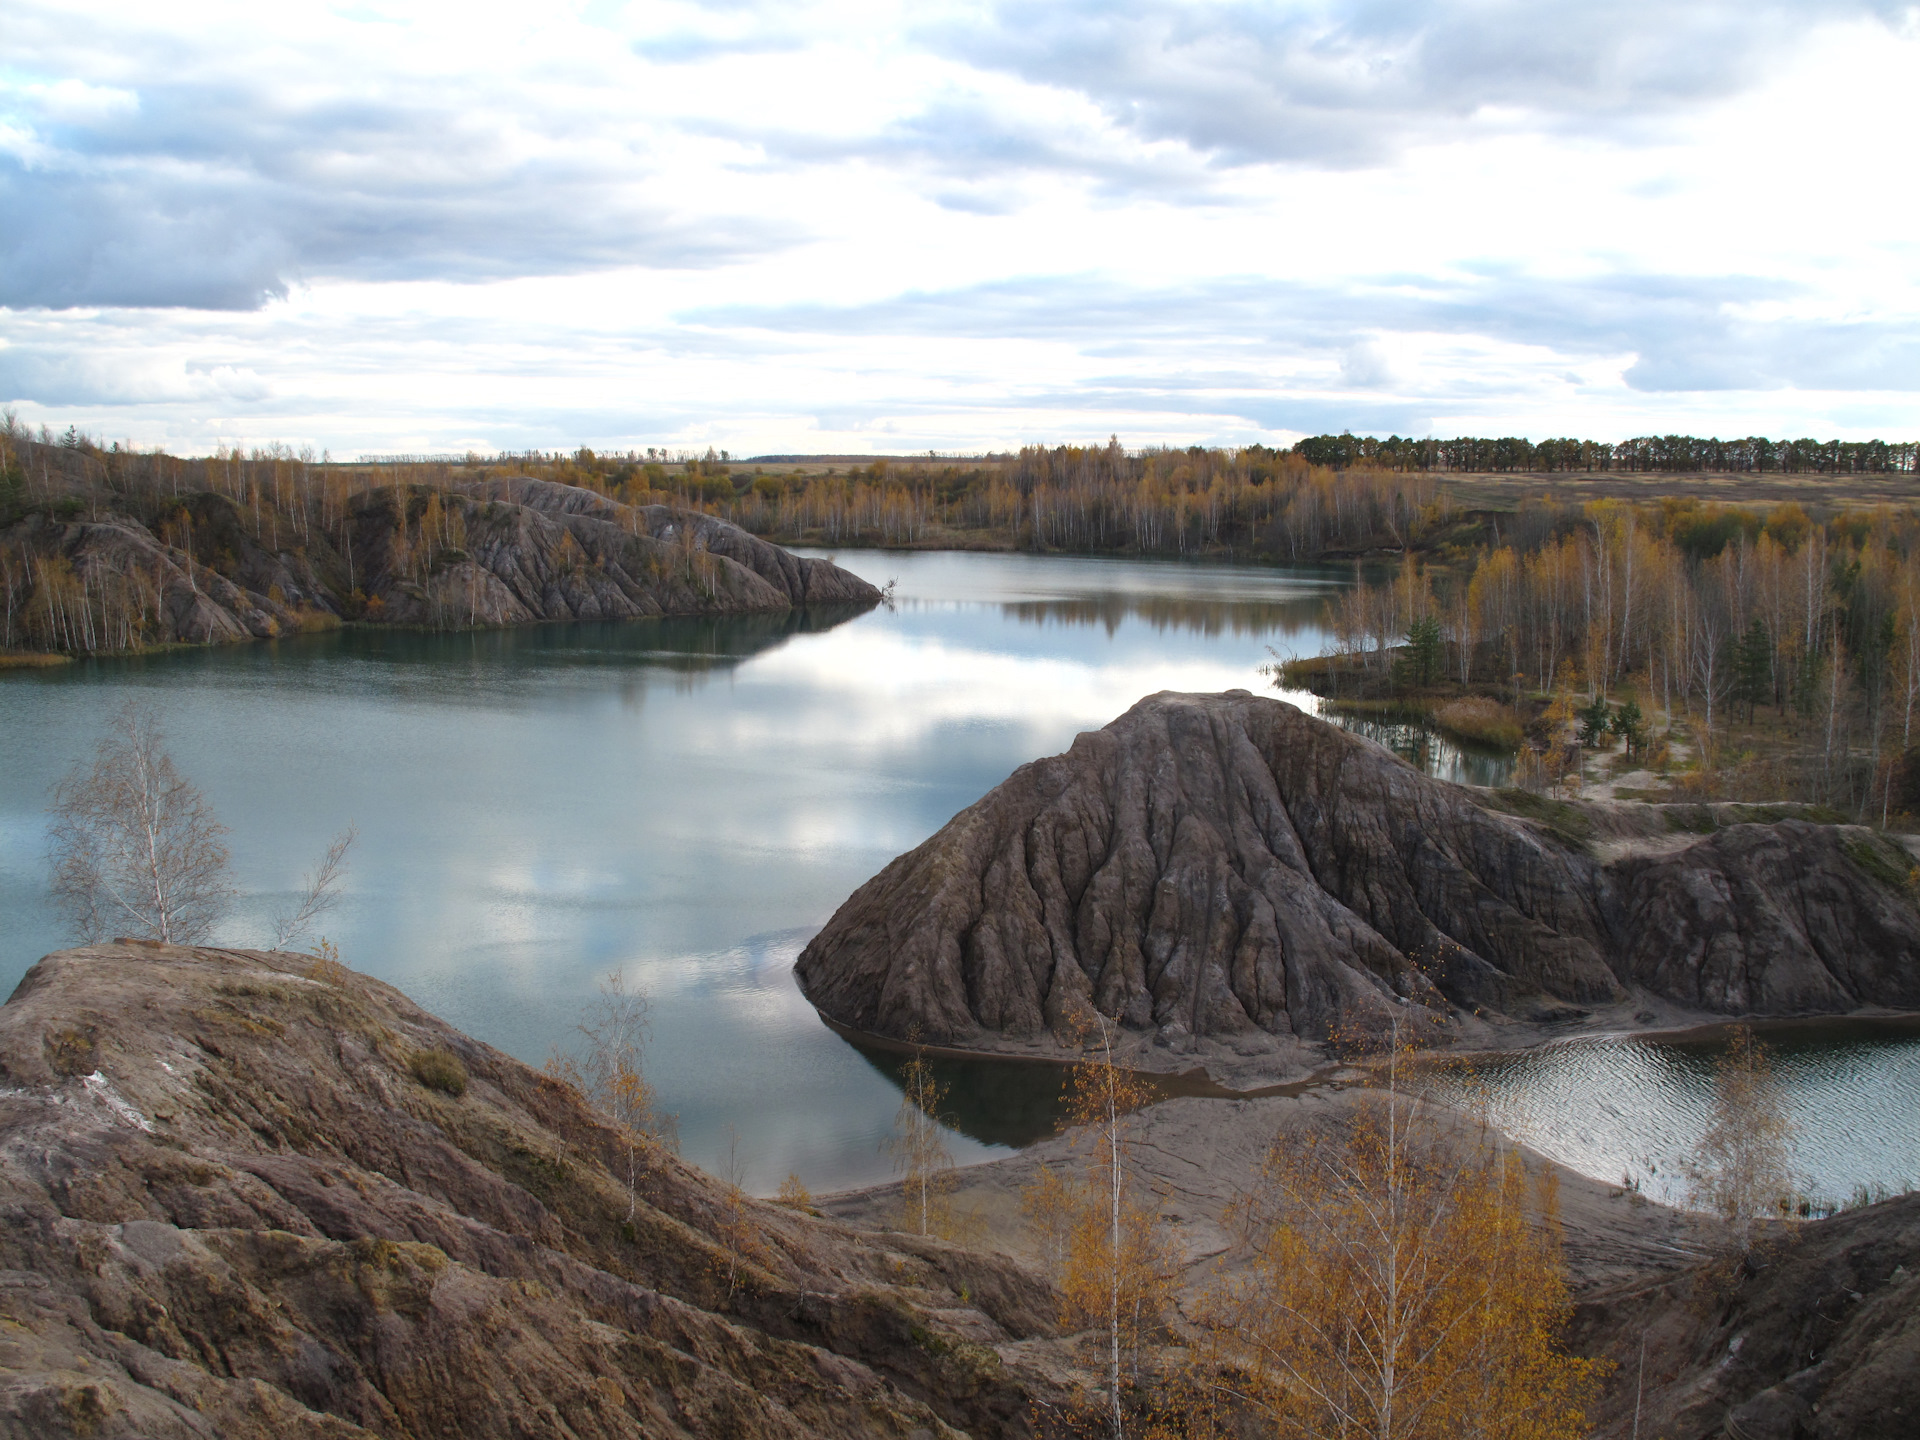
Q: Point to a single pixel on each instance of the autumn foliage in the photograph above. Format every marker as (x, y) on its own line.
(1405, 1282)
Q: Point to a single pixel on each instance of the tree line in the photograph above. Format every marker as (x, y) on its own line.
(1704, 615)
(1327, 497)
(1643, 454)
(1253, 502)
(224, 513)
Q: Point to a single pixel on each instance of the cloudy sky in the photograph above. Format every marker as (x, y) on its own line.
(829, 227)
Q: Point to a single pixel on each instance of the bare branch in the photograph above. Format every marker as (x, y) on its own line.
(134, 847)
(321, 894)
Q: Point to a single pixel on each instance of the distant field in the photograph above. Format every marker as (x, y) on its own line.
(1503, 492)
(1506, 490)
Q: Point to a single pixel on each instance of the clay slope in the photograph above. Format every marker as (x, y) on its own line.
(1225, 869)
(1813, 1337)
(801, 580)
(179, 598)
(231, 1209)
(503, 552)
(536, 550)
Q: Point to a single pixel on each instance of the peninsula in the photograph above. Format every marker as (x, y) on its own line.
(1232, 881)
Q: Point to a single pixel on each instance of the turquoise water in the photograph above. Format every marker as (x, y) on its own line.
(688, 801)
(683, 801)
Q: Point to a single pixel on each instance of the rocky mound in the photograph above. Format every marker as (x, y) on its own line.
(1229, 874)
(247, 1195)
(1814, 1337)
(536, 550)
(502, 552)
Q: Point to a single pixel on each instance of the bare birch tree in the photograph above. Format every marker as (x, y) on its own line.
(1404, 1282)
(1744, 1170)
(320, 894)
(919, 1149)
(611, 1076)
(135, 848)
(1114, 1266)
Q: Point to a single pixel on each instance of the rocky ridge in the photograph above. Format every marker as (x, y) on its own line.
(247, 1195)
(499, 552)
(538, 550)
(1233, 881)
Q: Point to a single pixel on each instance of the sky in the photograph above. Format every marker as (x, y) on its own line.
(851, 227)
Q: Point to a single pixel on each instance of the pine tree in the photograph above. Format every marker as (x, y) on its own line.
(1423, 657)
(1752, 667)
(1595, 721)
(1631, 726)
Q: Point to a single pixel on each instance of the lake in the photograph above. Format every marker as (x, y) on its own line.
(687, 801)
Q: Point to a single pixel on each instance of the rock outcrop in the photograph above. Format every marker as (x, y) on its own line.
(248, 1195)
(1814, 1337)
(499, 552)
(536, 550)
(118, 573)
(1234, 877)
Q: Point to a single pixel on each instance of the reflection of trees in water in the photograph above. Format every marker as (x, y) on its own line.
(1004, 1100)
(1429, 752)
(1196, 614)
(997, 1102)
(693, 644)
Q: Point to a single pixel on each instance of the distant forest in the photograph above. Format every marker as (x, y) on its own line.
(1326, 498)
(1645, 454)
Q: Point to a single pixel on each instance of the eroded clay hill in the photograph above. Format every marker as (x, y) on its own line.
(1232, 876)
(499, 552)
(232, 1208)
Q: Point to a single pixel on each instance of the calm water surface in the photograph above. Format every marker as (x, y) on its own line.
(688, 801)
(684, 801)
(1635, 1109)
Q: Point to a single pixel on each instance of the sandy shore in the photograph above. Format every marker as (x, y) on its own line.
(1199, 1154)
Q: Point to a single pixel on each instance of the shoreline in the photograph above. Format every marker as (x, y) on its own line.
(1198, 1156)
(1197, 1081)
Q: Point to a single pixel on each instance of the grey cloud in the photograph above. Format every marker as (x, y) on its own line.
(1687, 333)
(222, 197)
(1348, 84)
(74, 372)
(984, 159)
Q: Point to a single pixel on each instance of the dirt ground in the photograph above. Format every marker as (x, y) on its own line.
(1199, 1155)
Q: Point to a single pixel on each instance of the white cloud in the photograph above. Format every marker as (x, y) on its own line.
(852, 226)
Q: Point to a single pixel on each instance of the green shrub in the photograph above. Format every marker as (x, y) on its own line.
(439, 1070)
(1878, 859)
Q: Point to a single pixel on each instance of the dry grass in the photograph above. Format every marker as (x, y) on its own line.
(439, 1070)
(31, 660)
(1504, 492)
(1482, 721)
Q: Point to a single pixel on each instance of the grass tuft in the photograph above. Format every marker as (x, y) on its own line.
(439, 1070)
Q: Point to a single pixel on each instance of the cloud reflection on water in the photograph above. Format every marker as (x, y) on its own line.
(683, 800)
